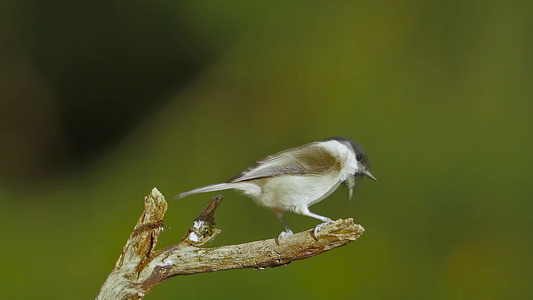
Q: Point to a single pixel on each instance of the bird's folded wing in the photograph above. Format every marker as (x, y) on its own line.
(313, 159)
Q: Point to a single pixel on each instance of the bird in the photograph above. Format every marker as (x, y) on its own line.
(294, 179)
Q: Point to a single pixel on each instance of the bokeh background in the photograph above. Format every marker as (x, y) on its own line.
(103, 100)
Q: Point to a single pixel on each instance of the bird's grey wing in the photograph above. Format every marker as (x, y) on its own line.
(307, 160)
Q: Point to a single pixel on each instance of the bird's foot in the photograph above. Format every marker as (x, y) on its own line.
(320, 226)
(283, 234)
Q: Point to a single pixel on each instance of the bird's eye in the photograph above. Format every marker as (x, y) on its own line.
(358, 157)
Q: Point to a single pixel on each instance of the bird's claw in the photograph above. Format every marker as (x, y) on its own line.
(283, 234)
(319, 227)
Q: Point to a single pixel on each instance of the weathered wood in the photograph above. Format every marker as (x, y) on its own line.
(140, 268)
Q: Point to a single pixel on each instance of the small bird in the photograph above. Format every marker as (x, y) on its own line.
(294, 179)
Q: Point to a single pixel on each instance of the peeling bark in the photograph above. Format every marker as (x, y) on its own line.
(140, 267)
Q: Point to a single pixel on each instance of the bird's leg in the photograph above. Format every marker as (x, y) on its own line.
(304, 210)
(287, 231)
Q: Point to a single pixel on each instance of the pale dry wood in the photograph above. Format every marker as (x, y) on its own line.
(140, 268)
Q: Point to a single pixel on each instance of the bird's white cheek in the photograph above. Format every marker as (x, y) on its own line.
(359, 168)
(352, 166)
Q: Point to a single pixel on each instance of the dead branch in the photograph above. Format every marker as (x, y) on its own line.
(140, 267)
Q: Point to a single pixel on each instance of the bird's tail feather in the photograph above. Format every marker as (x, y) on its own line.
(205, 189)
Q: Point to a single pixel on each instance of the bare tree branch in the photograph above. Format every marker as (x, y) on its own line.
(140, 268)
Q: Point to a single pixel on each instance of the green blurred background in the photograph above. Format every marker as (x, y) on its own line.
(103, 100)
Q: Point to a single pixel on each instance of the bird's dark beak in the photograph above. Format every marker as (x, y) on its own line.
(367, 173)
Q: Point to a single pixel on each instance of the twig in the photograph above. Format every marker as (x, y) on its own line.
(140, 268)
